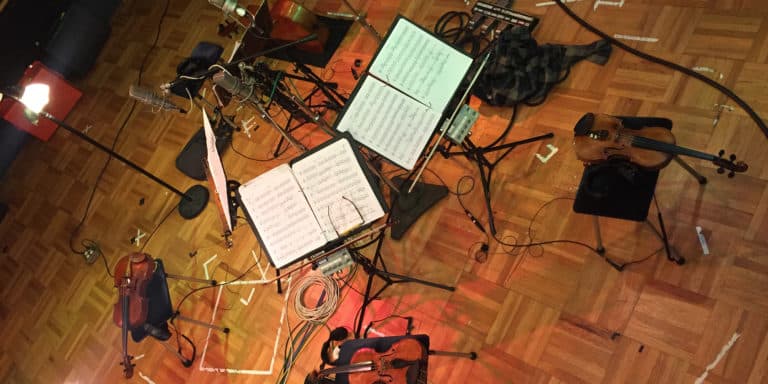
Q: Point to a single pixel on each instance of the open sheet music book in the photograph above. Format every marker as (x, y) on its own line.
(397, 105)
(296, 209)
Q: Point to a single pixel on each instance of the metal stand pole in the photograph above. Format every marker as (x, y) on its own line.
(202, 323)
(389, 279)
(193, 201)
(360, 18)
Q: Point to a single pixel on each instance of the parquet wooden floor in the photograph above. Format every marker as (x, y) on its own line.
(552, 314)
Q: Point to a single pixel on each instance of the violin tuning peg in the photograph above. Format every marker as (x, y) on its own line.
(731, 174)
(720, 170)
(721, 153)
(732, 157)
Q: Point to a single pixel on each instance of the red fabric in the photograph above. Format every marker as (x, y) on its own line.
(63, 98)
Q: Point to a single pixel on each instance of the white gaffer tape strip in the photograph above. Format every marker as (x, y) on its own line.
(636, 38)
(250, 296)
(702, 240)
(235, 371)
(146, 378)
(548, 3)
(719, 357)
(262, 270)
(552, 151)
(611, 3)
(205, 266)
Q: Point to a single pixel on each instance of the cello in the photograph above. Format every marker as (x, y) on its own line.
(603, 137)
(391, 366)
(132, 274)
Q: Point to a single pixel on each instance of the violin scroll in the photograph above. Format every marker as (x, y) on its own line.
(730, 164)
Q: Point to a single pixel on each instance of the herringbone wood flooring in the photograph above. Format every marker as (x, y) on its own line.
(544, 315)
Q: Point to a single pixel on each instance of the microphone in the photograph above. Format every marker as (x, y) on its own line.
(233, 85)
(229, 7)
(148, 96)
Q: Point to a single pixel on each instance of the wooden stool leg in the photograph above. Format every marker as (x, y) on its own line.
(598, 237)
(203, 324)
(701, 179)
(468, 355)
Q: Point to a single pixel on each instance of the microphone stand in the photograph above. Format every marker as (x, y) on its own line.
(193, 201)
(231, 66)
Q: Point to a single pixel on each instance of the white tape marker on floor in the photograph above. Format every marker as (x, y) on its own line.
(254, 372)
(719, 357)
(250, 296)
(636, 38)
(609, 3)
(548, 3)
(552, 151)
(205, 266)
(146, 378)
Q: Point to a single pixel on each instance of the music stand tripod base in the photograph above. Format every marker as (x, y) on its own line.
(193, 202)
(408, 207)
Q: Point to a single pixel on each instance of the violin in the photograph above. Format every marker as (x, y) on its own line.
(388, 367)
(132, 274)
(603, 137)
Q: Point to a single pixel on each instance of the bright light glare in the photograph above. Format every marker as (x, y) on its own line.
(35, 97)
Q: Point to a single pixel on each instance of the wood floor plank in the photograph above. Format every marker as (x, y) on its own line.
(556, 313)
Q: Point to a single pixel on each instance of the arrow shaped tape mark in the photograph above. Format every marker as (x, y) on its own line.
(205, 266)
(250, 296)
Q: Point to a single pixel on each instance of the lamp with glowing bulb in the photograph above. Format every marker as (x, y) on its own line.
(34, 99)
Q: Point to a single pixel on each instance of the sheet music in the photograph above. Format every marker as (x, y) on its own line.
(337, 189)
(216, 170)
(389, 122)
(421, 65)
(282, 216)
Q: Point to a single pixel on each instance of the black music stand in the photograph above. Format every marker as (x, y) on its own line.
(622, 190)
(160, 310)
(486, 167)
(389, 278)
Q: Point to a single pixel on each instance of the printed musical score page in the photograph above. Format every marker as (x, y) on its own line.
(276, 206)
(216, 172)
(337, 189)
(389, 122)
(420, 65)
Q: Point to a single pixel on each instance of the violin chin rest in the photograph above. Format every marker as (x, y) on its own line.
(160, 333)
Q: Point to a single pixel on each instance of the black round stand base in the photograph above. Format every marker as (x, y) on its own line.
(194, 202)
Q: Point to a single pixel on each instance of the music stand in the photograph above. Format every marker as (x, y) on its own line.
(389, 278)
(621, 190)
(486, 166)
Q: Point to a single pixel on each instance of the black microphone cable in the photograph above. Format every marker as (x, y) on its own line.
(743, 104)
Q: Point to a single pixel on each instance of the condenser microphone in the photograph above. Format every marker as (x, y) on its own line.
(233, 85)
(229, 7)
(148, 96)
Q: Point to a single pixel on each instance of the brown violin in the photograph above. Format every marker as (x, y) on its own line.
(603, 137)
(388, 367)
(132, 274)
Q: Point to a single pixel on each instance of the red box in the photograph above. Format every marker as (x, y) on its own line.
(63, 98)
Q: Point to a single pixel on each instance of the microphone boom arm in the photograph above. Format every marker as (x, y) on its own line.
(231, 66)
